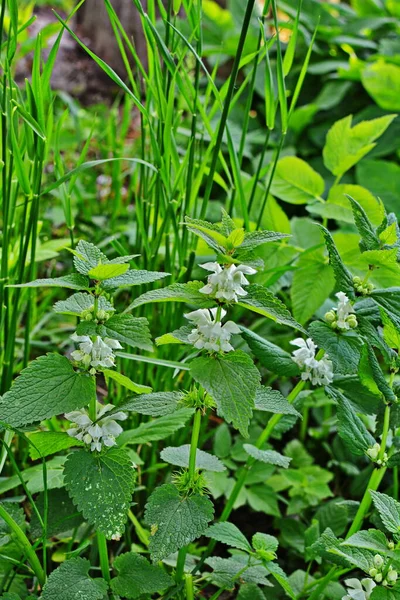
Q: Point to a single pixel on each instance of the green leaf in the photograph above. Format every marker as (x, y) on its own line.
(226, 570)
(257, 238)
(338, 205)
(263, 302)
(50, 442)
(369, 238)
(175, 521)
(344, 349)
(33, 476)
(71, 581)
(62, 515)
(136, 576)
(351, 429)
(47, 387)
(379, 377)
(133, 277)
(346, 145)
(382, 178)
(72, 282)
(264, 542)
(372, 539)
(209, 232)
(267, 456)
(388, 509)
(77, 303)
(296, 182)
(313, 282)
(229, 534)
(126, 382)
(107, 271)
(87, 256)
(270, 355)
(156, 404)
(270, 400)
(389, 300)
(177, 292)
(123, 327)
(101, 486)
(158, 429)
(179, 456)
(381, 593)
(232, 380)
(344, 279)
(382, 82)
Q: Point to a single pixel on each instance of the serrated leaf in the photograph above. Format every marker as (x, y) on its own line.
(33, 477)
(232, 380)
(267, 456)
(136, 576)
(225, 571)
(47, 387)
(62, 515)
(179, 456)
(125, 328)
(372, 540)
(87, 256)
(72, 282)
(50, 442)
(388, 509)
(381, 593)
(280, 576)
(175, 521)
(133, 277)
(257, 238)
(107, 271)
(313, 282)
(228, 534)
(263, 541)
(344, 349)
(156, 404)
(77, 303)
(369, 238)
(296, 182)
(158, 429)
(263, 302)
(270, 355)
(101, 486)
(178, 336)
(71, 581)
(389, 301)
(379, 377)
(350, 427)
(177, 292)
(344, 279)
(209, 232)
(126, 382)
(270, 400)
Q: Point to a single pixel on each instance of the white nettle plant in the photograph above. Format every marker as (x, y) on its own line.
(343, 316)
(96, 434)
(95, 352)
(359, 590)
(209, 333)
(319, 372)
(226, 283)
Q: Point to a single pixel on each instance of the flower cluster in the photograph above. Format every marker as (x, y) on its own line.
(359, 590)
(209, 333)
(382, 574)
(96, 434)
(226, 283)
(319, 372)
(94, 353)
(363, 288)
(373, 454)
(343, 316)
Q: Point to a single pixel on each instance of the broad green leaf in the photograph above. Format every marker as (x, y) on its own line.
(372, 539)
(296, 182)
(267, 456)
(47, 387)
(270, 355)
(33, 476)
(175, 521)
(382, 178)
(229, 534)
(229, 571)
(269, 400)
(382, 82)
(136, 576)
(257, 238)
(101, 486)
(338, 205)
(346, 145)
(177, 292)
(313, 282)
(262, 498)
(232, 380)
(71, 581)
(344, 349)
(158, 429)
(133, 277)
(77, 303)
(250, 591)
(126, 382)
(263, 541)
(107, 271)
(72, 282)
(155, 404)
(50, 442)
(62, 515)
(179, 456)
(209, 232)
(381, 593)
(388, 509)
(179, 336)
(123, 327)
(389, 301)
(87, 256)
(344, 279)
(280, 576)
(263, 302)
(351, 429)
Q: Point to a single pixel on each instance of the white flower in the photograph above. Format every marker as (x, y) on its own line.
(319, 372)
(359, 590)
(210, 334)
(343, 311)
(226, 283)
(96, 434)
(97, 353)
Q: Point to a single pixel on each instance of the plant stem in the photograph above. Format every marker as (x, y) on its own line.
(140, 532)
(189, 587)
(25, 543)
(103, 555)
(193, 443)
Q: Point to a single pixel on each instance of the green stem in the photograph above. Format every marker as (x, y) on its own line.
(193, 443)
(103, 555)
(140, 532)
(25, 543)
(189, 587)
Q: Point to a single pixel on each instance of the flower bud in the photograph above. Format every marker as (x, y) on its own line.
(378, 578)
(392, 576)
(356, 280)
(378, 561)
(374, 451)
(373, 572)
(88, 317)
(330, 316)
(101, 314)
(390, 545)
(352, 321)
